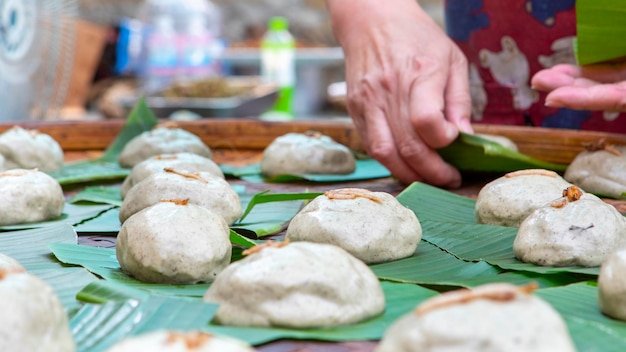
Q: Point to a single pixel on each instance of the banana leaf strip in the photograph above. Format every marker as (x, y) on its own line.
(366, 169)
(432, 266)
(30, 248)
(72, 215)
(106, 168)
(471, 153)
(432, 203)
(98, 326)
(600, 31)
(590, 329)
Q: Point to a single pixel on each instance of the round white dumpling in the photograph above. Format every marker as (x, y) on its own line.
(174, 341)
(7, 263)
(174, 242)
(33, 319)
(508, 200)
(372, 226)
(296, 285)
(161, 140)
(154, 164)
(201, 188)
(306, 153)
(488, 318)
(30, 149)
(29, 196)
(578, 229)
(612, 285)
(600, 170)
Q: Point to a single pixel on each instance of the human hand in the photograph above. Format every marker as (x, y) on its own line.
(408, 90)
(594, 87)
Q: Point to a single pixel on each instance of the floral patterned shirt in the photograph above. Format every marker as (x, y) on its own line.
(506, 42)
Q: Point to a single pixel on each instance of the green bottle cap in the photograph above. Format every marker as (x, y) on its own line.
(278, 23)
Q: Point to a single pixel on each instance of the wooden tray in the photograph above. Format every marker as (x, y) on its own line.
(554, 145)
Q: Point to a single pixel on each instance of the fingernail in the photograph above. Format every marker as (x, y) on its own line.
(465, 126)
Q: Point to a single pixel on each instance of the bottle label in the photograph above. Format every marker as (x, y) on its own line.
(278, 67)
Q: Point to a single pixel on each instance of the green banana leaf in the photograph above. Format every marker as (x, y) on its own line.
(270, 212)
(98, 326)
(600, 31)
(589, 328)
(366, 169)
(72, 215)
(472, 153)
(399, 299)
(432, 266)
(106, 167)
(30, 248)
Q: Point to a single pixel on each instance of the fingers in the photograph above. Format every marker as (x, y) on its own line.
(425, 102)
(404, 154)
(458, 103)
(607, 97)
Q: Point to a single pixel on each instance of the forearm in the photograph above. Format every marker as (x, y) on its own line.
(351, 19)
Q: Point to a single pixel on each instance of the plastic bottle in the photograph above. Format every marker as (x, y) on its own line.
(200, 46)
(161, 60)
(278, 66)
(179, 41)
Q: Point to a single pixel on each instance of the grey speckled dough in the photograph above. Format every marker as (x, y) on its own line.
(29, 149)
(582, 233)
(174, 244)
(29, 196)
(210, 192)
(599, 172)
(301, 285)
(162, 341)
(298, 153)
(184, 161)
(508, 201)
(161, 140)
(372, 231)
(33, 319)
(526, 324)
(612, 285)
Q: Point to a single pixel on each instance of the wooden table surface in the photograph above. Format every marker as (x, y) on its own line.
(241, 141)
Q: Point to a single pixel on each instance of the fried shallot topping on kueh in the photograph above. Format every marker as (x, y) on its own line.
(500, 292)
(166, 157)
(351, 193)
(6, 272)
(602, 145)
(176, 201)
(268, 244)
(529, 172)
(168, 124)
(192, 175)
(570, 194)
(313, 134)
(17, 172)
(192, 339)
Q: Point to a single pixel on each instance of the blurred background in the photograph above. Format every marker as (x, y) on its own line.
(106, 55)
